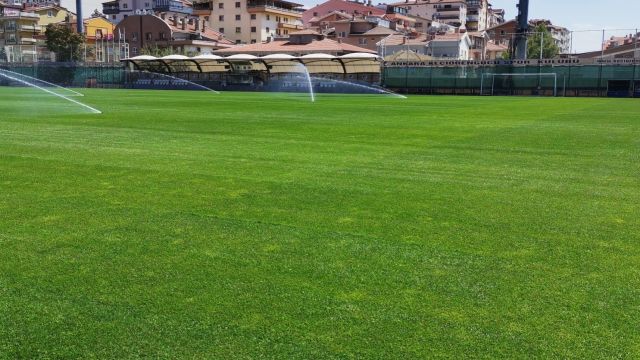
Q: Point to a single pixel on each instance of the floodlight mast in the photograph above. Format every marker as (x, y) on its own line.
(79, 24)
(521, 30)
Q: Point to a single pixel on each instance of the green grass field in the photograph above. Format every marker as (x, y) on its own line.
(193, 225)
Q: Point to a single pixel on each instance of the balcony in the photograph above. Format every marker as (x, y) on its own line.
(278, 7)
(474, 4)
(292, 26)
(171, 6)
(30, 28)
(202, 9)
(28, 41)
(447, 9)
(19, 15)
(111, 8)
(448, 17)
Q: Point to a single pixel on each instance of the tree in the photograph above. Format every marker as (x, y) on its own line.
(64, 42)
(549, 47)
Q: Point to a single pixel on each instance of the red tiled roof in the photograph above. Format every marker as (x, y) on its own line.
(380, 30)
(496, 47)
(317, 46)
(394, 17)
(208, 33)
(399, 39)
(340, 5)
(428, 2)
(305, 32)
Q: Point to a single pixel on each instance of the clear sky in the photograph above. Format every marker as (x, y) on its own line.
(573, 14)
(583, 15)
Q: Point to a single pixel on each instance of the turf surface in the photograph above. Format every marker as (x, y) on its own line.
(193, 225)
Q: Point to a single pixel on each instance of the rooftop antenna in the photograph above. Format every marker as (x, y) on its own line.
(521, 30)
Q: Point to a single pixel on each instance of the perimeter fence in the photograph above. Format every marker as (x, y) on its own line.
(558, 77)
(72, 74)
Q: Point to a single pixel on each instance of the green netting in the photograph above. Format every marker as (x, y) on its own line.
(571, 80)
(75, 75)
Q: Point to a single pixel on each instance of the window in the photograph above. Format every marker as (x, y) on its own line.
(237, 4)
(362, 41)
(286, 20)
(277, 18)
(315, 14)
(267, 29)
(134, 50)
(125, 6)
(163, 35)
(221, 6)
(268, 17)
(253, 29)
(253, 16)
(253, 41)
(49, 13)
(146, 5)
(238, 30)
(148, 36)
(343, 34)
(238, 42)
(286, 31)
(134, 36)
(237, 17)
(221, 18)
(221, 30)
(113, 17)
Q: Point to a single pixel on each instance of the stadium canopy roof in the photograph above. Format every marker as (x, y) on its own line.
(274, 63)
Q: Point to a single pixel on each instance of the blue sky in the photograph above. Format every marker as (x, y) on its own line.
(583, 15)
(572, 14)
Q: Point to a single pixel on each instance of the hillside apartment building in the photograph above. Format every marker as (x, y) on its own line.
(251, 21)
(18, 32)
(242, 22)
(504, 34)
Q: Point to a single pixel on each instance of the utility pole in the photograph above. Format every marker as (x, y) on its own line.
(602, 53)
